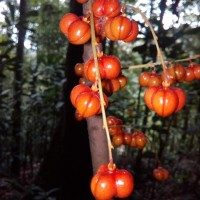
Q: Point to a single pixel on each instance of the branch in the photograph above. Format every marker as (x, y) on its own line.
(105, 125)
(159, 63)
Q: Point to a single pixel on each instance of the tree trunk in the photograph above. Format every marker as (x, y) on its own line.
(67, 165)
(16, 115)
(97, 135)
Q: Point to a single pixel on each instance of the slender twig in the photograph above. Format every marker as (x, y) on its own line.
(124, 126)
(166, 82)
(188, 59)
(163, 63)
(154, 150)
(140, 66)
(93, 41)
(152, 31)
(158, 63)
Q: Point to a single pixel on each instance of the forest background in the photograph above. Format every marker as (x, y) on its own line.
(44, 151)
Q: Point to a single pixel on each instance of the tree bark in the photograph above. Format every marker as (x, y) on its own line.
(97, 135)
(77, 148)
(67, 165)
(16, 115)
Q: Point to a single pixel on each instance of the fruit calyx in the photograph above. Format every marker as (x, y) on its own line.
(111, 166)
(85, 19)
(100, 54)
(94, 87)
(165, 84)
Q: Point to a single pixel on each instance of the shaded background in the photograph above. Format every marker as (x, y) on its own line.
(44, 152)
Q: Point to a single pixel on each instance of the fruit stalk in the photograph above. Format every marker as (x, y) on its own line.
(153, 34)
(93, 41)
(154, 149)
(158, 63)
(188, 59)
(141, 66)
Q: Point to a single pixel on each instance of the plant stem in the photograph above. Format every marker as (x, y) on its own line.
(140, 66)
(93, 41)
(158, 63)
(152, 31)
(155, 152)
(154, 37)
(188, 59)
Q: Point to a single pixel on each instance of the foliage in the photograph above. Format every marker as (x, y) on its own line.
(176, 139)
(43, 78)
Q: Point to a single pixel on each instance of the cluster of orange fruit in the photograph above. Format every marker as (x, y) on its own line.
(109, 21)
(175, 73)
(110, 85)
(119, 136)
(160, 96)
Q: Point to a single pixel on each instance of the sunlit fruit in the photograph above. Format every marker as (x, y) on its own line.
(120, 27)
(110, 182)
(90, 70)
(107, 30)
(148, 79)
(114, 125)
(138, 140)
(164, 101)
(88, 103)
(127, 138)
(115, 84)
(98, 8)
(77, 90)
(109, 67)
(143, 79)
(167, 77)
(190, 73)
(178, 72)
(66, 21)
(197, 71)
(122, 80)
(106, 8)
(118, 139)
(181, 97)
(76, 29)
(112, 8)
(110, 86)
(148, 96)
(86, 100)
(133, 33)
(175, 73)
(79, 32)
(112, 66)
(155, 80)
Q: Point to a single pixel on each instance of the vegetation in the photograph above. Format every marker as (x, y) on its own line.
(39, 137)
